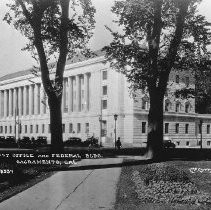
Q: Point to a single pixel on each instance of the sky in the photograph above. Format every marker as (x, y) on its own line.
(12, 59)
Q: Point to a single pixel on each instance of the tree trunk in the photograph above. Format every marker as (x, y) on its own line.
(155, 128)
(56, 123)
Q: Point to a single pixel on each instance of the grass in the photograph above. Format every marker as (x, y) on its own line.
(170, 184)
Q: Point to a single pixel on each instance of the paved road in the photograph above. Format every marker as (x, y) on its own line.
(71, 190)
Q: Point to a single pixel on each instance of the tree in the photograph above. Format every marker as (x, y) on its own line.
(58, 29)
(156, 37)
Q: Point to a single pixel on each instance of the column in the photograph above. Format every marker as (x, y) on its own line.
(41, 100)
(30, 99)
(10, 102)
(14, 101)
(0, 103)
(86, 92)
(5, 103)
(36, 99)
(77, 93)
(70, 95)
(24, 100)
(19, 102)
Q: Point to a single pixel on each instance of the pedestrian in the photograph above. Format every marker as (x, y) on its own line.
(118, 143)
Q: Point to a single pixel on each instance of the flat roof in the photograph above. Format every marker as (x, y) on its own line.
(78, 58)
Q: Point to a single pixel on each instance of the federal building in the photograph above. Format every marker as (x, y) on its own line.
(97, 102)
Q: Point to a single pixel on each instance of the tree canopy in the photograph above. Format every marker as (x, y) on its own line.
(150, 38)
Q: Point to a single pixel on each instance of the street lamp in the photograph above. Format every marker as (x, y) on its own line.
(201, 121)
(115, 119)
(100, 120)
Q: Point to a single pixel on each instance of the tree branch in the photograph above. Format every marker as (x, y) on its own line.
(174, 45)
(173, 48)
(63, 45)
(154, 39)
(26, 12)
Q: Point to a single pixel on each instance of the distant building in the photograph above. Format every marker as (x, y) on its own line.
(93, 93)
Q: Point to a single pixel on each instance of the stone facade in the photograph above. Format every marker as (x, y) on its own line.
(93, 93)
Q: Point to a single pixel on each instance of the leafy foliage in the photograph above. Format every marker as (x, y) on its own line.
(80, 25)
(147, 48)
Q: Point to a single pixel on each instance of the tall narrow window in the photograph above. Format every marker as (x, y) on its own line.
(177, 128)
(70, 128)
(166, 127)
(37, 128)
(143, 127)
(167, 105)
(187, 107)
(186, 128)
(43, 128)
(104, 104)
(87, 128)
(208, 129)
(105, 75)
(31, 128)
(177, 109)
(105, 90)
(78, 127)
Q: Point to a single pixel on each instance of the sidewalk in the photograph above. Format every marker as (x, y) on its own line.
(75, 189)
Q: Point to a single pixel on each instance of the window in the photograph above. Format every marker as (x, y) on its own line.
(177, 78)
(208, 143)
(186, 128)
(187, 107)
(177, 109)
(208, 129)
(37, 128)
(1, 129)
(105, 90)
(31, 128)
(20, 129)
(200, 128)
(87, 128)
(104, 128)
(104, 75)
(5, 129)
(167, 105)
(104, 104)
(143, 127)
(187, 81)
(49, 128)
(63, 128)
(177, 128)
(25, 128)
(70, 128)
(187, 143)
(78, 127)
(144, 104)
(166, 127)
(43, 128)
(11, 129)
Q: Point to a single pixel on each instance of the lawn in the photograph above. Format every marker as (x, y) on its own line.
(165, 186)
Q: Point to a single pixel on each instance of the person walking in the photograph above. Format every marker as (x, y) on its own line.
(118, 143)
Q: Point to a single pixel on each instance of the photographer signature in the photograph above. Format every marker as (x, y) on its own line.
(200, 170)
